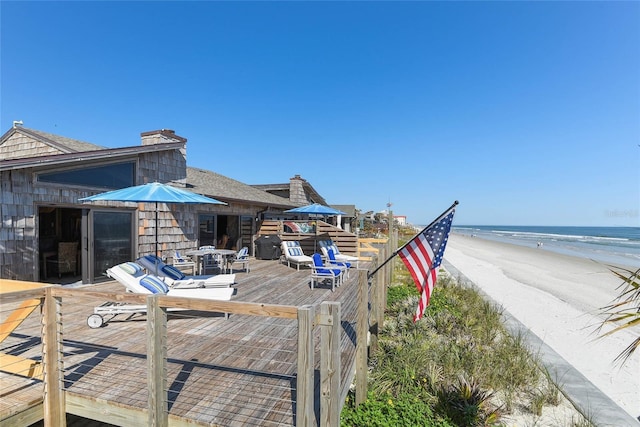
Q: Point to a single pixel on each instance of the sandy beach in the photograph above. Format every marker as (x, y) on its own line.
(557, 297)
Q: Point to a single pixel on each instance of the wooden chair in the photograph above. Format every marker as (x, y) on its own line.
(242, 258)
(181, 262)
(66, 261)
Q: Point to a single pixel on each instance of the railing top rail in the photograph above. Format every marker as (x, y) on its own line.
(232, 307)
(373, 240)
(17, 296)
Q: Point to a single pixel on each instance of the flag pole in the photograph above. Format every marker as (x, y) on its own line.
(443, 214)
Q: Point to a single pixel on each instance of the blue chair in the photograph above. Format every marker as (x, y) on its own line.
(322, 273)
(334, 261)
(325, 245)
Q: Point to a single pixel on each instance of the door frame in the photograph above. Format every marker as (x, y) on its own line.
(88, 256)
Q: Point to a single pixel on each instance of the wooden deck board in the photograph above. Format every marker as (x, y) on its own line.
(235, 371)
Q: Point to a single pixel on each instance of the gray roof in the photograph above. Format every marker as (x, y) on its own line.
(63, 143)
(73, 151)
(200, 180)
(229, 190)
(350, 210)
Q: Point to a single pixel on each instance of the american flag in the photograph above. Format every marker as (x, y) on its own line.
(423, 255)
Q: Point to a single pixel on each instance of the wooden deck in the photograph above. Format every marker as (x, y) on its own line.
(240, 371)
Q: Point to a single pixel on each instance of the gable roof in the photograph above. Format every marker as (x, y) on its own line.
(229, 190)
(286, 189)
(64, 144)
(350, 210)
(69, 151)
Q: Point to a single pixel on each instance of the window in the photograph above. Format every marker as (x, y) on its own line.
(112, 176)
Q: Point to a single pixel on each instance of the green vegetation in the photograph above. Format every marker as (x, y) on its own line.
(624, 312)
(457, 366)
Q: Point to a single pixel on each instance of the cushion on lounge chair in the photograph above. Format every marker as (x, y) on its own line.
(132, 268)
(173, 277)
(333, 260)
(154, 285)
(172, 272)
(293, 254)
(149, 284)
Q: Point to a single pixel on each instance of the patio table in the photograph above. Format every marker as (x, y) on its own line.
(226, 254)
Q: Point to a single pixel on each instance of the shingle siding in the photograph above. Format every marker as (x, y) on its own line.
(18, 245)
(19, 146)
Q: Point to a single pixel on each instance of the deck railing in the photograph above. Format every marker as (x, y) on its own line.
(321, 322)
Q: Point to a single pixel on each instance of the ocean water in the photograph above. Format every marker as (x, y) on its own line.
(612, 245)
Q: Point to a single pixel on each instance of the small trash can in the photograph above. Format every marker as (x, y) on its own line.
(268, 247)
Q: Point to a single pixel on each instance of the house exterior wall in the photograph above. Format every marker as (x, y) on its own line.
(19, 146)
(18, 246)
(21, 195)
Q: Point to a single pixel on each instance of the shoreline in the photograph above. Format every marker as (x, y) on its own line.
(557, 297)
(606, 254)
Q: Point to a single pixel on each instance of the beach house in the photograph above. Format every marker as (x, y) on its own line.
(47, 231)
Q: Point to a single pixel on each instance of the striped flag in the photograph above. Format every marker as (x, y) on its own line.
(423, 255)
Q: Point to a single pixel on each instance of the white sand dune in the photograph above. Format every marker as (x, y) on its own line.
(558, 298)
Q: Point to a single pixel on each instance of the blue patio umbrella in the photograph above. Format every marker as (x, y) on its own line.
(316, 209)
(154, 192)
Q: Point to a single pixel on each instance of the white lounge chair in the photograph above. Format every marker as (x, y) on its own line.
(177, 279)
(325, 245)
(292, 253)
(129, 275)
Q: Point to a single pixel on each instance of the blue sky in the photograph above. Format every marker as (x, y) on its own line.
(528, 113)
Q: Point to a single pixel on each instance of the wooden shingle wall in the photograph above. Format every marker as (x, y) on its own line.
(18, 245)
(296, 191)
(20, 197)
(19, 146)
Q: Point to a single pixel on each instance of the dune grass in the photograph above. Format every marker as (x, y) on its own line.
(458, 365)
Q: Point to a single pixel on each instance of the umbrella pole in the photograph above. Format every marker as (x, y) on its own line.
(157, 255)
(315, 241)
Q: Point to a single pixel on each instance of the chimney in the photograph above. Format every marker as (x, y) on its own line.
(296, 190)
(161, 136)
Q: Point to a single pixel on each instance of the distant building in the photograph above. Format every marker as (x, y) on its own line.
(401, 220)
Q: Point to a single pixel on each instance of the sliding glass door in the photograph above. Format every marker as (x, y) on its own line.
(110, 241)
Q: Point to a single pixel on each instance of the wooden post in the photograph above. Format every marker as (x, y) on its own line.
(157, 362)
(389, 246)
(330, 364)
(372, 297)
(305, 414)
(381, 291)
(54, 398)
(362, 330)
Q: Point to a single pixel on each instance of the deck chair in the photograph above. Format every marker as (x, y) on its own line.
(292, 254)
(210, 261)
(181, 261)
(241, 258)
(178, 280)
(325, 245)
(321, 273)
(66, 259)
(334, 261)
(131, 276)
